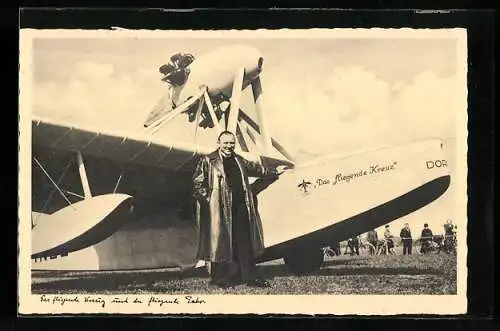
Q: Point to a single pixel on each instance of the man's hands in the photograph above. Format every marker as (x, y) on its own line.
(281, 169)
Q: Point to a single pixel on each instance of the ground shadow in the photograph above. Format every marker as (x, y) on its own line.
(106, 281)
(332, 269)
(64, 282)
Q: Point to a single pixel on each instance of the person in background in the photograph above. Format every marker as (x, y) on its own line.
(372, 238)
(448, 227)
(405, 235)
(426, 239)
(336, 249)
(389, 238)
(455, 237)
(333, 250)
(449, 236)
(353, 244)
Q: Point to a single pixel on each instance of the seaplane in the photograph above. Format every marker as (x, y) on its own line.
(109, 200)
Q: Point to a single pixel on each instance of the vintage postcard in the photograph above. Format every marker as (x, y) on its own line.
(317, 171)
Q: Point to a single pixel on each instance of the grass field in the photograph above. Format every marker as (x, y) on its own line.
(396, 274)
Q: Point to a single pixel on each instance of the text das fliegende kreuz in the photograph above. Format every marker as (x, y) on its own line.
(340, 178)
(103, 302)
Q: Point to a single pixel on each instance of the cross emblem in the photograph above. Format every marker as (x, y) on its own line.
(304, 185)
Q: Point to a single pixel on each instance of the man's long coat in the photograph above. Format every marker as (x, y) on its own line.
(214, 207)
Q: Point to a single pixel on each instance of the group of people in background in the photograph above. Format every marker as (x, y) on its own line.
(428, 241)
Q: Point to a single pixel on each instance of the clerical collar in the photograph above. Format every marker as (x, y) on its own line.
(224, 156)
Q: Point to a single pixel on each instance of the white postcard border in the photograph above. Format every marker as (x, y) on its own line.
(242, 304)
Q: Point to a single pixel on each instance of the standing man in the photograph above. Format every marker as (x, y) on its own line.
(389, 240)
(353, 244)
(405, 235)
(231, 234)
(449, 236)
(448, 228)
(426, 239)
(372, 238)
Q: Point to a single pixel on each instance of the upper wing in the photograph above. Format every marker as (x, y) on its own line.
(153, 171)
(125, 149)
(136, 149)
(150, 168)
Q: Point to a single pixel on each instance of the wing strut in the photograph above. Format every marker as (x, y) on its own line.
(235, 100)
(211, 111)
(53, 183)
(151, 129)
(83, 176)
(118, 181)
(53, 191)
(259, 105)
(198, 115)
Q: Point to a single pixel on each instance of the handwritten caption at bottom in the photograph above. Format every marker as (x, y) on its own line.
(103, 302)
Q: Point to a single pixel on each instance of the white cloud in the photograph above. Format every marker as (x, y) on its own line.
(353, 109)
(426, 107)
(338, 110)
(98, 95)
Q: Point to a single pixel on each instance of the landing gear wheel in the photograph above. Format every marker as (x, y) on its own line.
(303, 261)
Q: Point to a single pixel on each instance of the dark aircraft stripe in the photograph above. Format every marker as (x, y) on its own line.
(364, 222)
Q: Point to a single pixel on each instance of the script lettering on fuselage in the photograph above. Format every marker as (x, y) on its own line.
(345, 177)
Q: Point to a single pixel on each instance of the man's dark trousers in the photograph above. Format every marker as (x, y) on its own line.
(407, 244)
(243, 258)
(242, 243)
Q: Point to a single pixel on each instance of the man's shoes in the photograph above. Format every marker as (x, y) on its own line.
(259, 283)
(223, 285)
(231, 284)
(226, 285)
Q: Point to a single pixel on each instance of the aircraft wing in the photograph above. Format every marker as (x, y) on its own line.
(145, 167)
(73, 163)
(114, 163)
(58, 135)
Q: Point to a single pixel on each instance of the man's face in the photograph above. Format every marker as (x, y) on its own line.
(407, 226)
(227, 144)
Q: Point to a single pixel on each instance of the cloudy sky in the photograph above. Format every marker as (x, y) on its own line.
(321, 95)
(391, 90)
